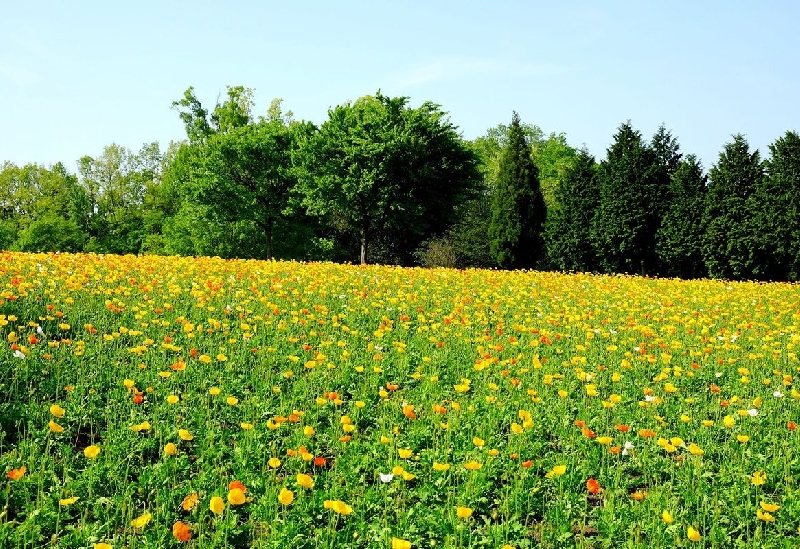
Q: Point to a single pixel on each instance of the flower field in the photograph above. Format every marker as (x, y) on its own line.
(199, 402)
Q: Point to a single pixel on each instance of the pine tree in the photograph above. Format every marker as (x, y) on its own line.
(679, 238)
(631, 201)
(731, 244)
(518, 209)
(778, 210)
(569, 245)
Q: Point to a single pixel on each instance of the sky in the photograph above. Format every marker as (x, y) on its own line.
(77, 76)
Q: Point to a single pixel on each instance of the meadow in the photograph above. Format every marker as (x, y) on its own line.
(199, 402)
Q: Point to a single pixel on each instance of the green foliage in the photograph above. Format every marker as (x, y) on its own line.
(518, 209)
(568, 229)
(632, 198)
(239, 168)
(777, 210)
(679, 238)
(731, 241)
(51, 234)
(469, 236)
(384, 172)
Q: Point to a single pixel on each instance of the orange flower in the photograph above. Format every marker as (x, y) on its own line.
(16, 474)
(593, 486)
(639, 496)
(791, 425)
(237, 484)
(181, 531)
(190, 501)
(527, 463)
(320, 461)
(623, 428)
(647, 433)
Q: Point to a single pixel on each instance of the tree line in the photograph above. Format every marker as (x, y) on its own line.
(380, 181)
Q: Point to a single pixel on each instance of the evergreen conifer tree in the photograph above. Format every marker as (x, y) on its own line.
(568, 226)
(518, 209)
(679, 238)
(731, 243)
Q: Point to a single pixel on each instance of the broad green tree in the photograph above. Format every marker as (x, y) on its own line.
(731, 242)
(518, 209)
(236, 169)
(568, 228)
(632, 196)
(679, 238)
(387, 173)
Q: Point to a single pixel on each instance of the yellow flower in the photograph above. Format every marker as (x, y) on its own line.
(232, 401)
(236, 496)
(398, 543)
(92, 451)
(141, 521)
(405, 453)
(742, 438)
(769, 507)
(338, 506)
(758, 478)
(57, 411)
(472, 466)
(440, 466)
(305, 480)
(463, 512)
(729, 421)
(286, 496)
(214, 391)
(763, 515)
(185, 434)
(695, 450)
(55, 427)
(667, 517)
(556, 471)
(216, 505)
(143, 426)
(693, 534)
(170, 449)
(102, 545)
(274, 462)
(605, 441)
(172, 399)
(308, 430)
(516, 428)
(479, 442)
(68, 501)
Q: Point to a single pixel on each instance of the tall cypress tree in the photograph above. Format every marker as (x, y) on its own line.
(569, 246)
(731, 244)
(778, 210)
(631, 202)
(679, 238)
(518, 210)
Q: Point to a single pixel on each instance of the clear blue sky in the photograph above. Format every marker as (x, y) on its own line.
(77, 76)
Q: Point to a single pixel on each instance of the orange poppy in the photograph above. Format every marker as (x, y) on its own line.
(593, 486)
(16, 474)
(181, 531)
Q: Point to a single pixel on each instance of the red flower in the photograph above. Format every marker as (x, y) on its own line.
(320, 461)
(593, 486)
(791, 425)
(138, 398)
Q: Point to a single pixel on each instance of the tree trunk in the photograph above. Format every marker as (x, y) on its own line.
(363, 245)
(268, 238)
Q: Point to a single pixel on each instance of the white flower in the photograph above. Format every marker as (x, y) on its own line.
(718, 374)
(19, 354)
(777, 394)
(386, 477)
(39, 330)
(649, 398)
(752, 412)
(628, 446)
